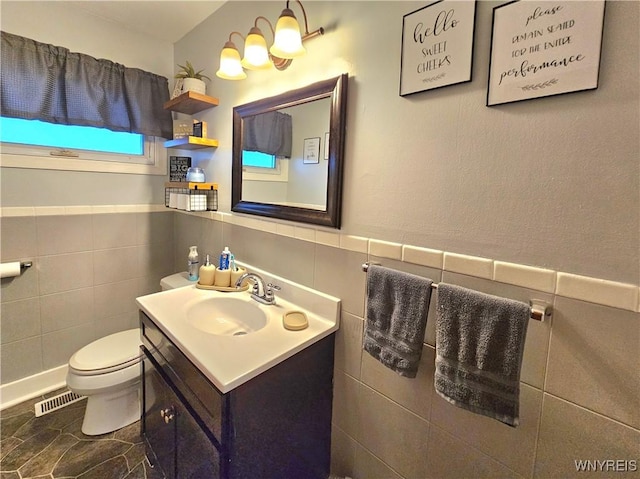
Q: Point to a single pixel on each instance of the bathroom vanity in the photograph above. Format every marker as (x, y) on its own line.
(254, 405)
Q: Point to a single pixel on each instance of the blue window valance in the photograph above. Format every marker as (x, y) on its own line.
(44, 82)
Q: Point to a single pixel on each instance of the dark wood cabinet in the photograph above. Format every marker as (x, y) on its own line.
(157, 419)
(277, 425)
(178, 444)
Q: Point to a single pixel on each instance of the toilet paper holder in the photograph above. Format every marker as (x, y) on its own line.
(8, 270)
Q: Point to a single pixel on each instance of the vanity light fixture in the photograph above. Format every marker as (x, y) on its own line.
(256, 55)
(287, 44)
(230, 64)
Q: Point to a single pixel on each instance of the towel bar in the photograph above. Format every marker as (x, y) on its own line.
(539, 309)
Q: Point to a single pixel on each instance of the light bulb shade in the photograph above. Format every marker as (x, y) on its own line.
(287, 42)
(256, 56)
(230, 66)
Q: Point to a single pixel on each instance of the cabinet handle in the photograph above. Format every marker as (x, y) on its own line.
(167, 414)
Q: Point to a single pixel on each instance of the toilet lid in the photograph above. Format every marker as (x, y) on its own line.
(119, 349)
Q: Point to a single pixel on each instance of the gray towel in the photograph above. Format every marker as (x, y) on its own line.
(397, 307)
(479, 344)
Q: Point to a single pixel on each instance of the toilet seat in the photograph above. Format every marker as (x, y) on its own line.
(111, 353)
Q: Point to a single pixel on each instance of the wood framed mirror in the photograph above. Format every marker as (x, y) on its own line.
(306, 186)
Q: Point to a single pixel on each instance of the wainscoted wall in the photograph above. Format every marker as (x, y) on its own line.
(90, 263)
(551, 183)
(580, 384)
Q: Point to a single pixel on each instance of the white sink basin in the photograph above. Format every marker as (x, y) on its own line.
(225, 316)
(232, 338)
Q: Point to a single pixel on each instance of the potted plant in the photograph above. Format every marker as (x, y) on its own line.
(192, 80)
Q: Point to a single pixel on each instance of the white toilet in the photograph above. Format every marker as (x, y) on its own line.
(107, 371)
(175, 281)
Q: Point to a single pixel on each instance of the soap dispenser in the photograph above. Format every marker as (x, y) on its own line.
(207, 273)
(192, 263)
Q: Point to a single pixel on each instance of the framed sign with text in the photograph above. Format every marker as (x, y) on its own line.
(544, 48)
(178, 166)
(437, 46)
(311, 150)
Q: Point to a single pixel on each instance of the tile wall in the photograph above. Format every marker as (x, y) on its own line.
(580, 391)
(89, 266)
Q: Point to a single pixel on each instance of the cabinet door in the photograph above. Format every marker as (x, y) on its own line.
(159, 420)
(178, 444)
(205, 401)
(197, 457)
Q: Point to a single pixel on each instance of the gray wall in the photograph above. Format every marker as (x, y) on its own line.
(551, 182)
(308, 181)
(579, 383)
(68, 25)
(88, 266)
(88, 269)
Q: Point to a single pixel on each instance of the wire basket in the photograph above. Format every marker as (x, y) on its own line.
(191, 196)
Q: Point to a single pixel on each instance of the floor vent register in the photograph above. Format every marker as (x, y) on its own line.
(57, 402)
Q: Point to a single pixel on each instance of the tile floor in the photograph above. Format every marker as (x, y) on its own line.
(53, 446)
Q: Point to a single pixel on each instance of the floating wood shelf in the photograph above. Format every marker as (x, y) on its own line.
(191, 185)
(190, 102)
(191, 143)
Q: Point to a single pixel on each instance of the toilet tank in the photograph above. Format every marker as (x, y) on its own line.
(177, 280)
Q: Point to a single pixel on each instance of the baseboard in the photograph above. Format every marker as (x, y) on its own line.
(32, 386)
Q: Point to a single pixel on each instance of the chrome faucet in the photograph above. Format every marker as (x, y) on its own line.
(261, 292)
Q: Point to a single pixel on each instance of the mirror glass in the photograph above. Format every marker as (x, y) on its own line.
(287, 154)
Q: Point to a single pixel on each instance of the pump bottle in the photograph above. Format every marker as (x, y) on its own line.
(207, 273)
(193, 262)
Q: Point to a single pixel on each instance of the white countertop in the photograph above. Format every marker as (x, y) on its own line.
(229, 361)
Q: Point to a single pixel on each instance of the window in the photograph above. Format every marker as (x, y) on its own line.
(67, 137)
(37, 144)
(51, 83)
(258, 166)
(257, 159)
